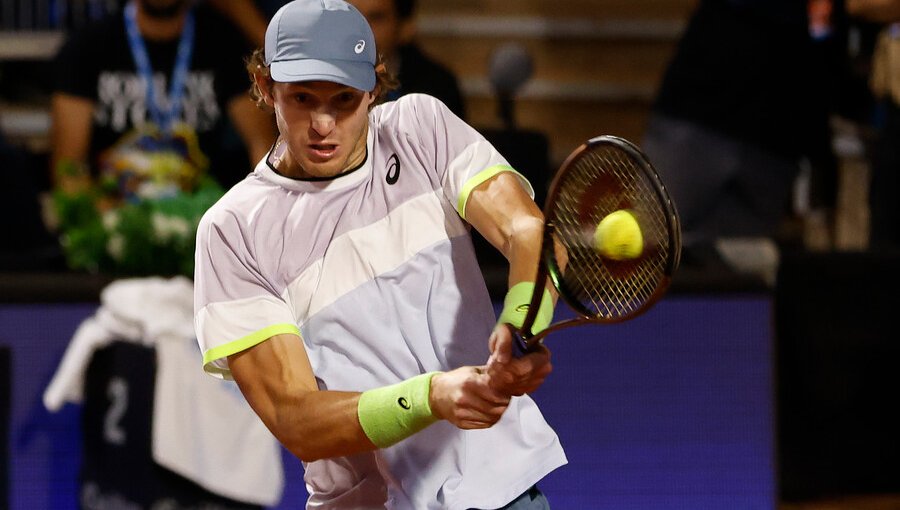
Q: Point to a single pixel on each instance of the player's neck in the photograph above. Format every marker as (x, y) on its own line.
(284, 163)
(280, 159)
(160, 28)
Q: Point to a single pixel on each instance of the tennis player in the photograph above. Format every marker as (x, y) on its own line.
(337, 284)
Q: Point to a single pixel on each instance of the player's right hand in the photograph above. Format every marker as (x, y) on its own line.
(511, 375)
(465, 398)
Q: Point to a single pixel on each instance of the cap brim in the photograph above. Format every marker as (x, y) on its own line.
(359, 75)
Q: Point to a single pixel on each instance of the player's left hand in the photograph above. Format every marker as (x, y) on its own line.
(515, 376)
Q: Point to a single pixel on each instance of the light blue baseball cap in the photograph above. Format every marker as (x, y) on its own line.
(326, 40)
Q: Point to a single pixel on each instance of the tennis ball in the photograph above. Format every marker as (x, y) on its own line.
(618, 236)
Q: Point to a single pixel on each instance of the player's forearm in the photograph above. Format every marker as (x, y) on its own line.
(523, 248)
(319, 424)
(277, 380)
(348, 423)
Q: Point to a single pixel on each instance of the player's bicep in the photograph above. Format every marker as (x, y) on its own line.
(272, 374)
(500, 208)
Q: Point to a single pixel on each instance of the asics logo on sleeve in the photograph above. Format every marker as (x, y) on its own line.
(393, 172)
(360, 46)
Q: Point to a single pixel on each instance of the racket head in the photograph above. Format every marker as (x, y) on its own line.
(604, 175)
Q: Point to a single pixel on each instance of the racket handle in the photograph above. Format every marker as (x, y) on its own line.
(519, 346)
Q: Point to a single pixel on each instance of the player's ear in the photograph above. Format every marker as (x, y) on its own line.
(265, 85)
(375, 93)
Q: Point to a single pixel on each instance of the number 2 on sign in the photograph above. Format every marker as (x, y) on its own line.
(117, 392)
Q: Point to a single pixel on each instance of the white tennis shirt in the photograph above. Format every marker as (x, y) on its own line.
(375, 271)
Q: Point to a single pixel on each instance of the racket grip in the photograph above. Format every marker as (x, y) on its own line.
(519, 345)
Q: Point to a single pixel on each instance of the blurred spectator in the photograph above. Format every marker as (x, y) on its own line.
(885, 157)
(197, 71)
(28, 245)
(393, 22)
(879, 11)
(247, 15)
(744, 101)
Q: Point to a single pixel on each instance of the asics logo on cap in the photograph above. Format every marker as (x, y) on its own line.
(360, 46)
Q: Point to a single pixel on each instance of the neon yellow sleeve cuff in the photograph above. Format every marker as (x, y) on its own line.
(515, 307)
(393, 413)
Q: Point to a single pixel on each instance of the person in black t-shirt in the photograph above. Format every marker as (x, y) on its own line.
(885, 156)
(393, 24)
(100, 95)
(744, 100)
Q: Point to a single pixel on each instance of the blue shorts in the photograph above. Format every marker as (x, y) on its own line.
(532, 499)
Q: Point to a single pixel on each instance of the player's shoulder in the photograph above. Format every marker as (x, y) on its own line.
(420, 100)
(411, 115)
(415, 105)
(237, 204)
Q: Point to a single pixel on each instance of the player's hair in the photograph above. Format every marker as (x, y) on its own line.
(385, 82)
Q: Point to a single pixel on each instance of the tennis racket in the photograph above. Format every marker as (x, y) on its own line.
(604, 175)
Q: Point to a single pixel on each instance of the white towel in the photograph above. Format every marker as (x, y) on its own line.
(203, 429)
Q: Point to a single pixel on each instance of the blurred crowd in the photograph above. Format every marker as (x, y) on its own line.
(757, 114)
(99, 198)
(758, 110)
(766, 114)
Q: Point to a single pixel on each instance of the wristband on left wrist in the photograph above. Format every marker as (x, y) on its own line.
(516, 303)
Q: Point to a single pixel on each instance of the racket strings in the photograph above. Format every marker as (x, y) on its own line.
(602, 181)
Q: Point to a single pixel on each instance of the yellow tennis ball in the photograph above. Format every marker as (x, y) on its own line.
(619, 237)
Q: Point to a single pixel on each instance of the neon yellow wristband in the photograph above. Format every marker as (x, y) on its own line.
(515, 307)
(393, 413)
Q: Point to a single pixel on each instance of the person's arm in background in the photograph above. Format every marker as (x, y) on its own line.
(878, 11)
(255, 126)
(70, 136)
(508, 218)
(246, 16)
(278, 382)
(71, 133)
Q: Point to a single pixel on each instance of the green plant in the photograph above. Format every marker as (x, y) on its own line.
(153, 236)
